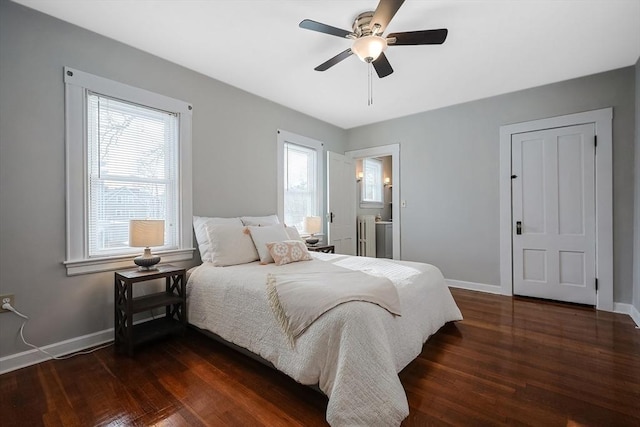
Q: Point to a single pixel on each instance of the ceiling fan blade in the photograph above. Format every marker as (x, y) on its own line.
(419, 37)
(333, 61)
(382, 66)
(384, 13)
(308, 24)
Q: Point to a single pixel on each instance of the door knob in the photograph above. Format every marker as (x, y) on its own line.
(518, 227)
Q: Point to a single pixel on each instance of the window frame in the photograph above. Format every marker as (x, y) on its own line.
(77, 84)
(364, 203)
(284, 137)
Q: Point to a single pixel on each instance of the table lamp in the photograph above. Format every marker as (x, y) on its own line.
(144, 233)
(312, 225)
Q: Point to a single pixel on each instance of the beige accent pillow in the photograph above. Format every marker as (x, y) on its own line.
(288, 251)
(230, 245)
(263, 235)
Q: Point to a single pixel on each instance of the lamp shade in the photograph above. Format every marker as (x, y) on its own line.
(146, 232)
(368, 48)
(312, 224)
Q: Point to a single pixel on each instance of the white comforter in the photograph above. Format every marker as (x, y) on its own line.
(353, 352)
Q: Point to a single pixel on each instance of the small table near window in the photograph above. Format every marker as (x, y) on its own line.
(173, 298)
(327, 249)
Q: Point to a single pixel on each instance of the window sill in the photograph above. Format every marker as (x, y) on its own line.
(96, 265)
(372, 205)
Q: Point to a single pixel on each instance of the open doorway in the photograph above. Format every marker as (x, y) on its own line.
(384, 205)
(374, 205)
(375, 187)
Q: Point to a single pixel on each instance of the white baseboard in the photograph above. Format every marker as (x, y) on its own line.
(635, 315)
(62, 348)
(32, 357)
(482, 287)
(618, 307)
(628, 309)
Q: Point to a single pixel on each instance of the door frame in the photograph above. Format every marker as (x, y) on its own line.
(602, 119)
(392, 150)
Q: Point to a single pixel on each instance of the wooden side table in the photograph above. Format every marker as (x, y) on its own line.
(174, 299)
(327, 249)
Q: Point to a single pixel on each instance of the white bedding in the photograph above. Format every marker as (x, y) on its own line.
(353, 352)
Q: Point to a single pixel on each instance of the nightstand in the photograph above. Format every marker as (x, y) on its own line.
(173, 298)
(327, 249)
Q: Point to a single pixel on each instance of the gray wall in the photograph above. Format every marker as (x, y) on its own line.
(234, 158)
(449, 162)
(636, 247)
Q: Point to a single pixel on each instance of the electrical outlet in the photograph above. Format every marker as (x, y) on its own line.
(6, 299)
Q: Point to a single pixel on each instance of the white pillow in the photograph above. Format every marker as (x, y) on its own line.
(200, 224)
(293, 234)
(263, 235)
(230, 245)
(260, 220)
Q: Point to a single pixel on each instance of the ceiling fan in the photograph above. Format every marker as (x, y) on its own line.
(368, 43)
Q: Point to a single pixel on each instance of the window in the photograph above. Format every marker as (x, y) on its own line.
(132, 172)
(299, 178)
(371, 194)
(126, 148)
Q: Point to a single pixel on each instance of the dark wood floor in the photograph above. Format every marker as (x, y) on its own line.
(510, 362)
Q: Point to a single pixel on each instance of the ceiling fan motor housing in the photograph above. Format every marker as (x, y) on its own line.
(367, 45)
(361, 24)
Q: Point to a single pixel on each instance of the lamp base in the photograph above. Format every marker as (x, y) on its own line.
(146, 261)
(312, 241)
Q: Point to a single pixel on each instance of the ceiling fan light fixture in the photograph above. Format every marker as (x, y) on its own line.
(369, 48)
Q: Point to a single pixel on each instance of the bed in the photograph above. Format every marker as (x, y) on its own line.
(353, 352)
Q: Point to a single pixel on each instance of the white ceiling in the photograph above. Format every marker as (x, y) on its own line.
(493, 47)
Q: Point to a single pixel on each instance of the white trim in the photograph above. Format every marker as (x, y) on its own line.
(124, 92)
(472, 286)
(618, 307)
(604, 197)
(62, 348)
(392, 150)
(628, 309)
(285, 136)
(97, 265)
(77, 83)
(32, 357)
(372, 205)
(635, 315)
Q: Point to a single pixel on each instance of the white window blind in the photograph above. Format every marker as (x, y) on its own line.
(132, 172)
(301, 190)
(372, 180)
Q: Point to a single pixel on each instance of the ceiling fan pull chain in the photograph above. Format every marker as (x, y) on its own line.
(370, 84)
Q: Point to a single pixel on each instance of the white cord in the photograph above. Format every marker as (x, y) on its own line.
(7, 306)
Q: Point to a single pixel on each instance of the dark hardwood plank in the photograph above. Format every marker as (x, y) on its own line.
(511, 361)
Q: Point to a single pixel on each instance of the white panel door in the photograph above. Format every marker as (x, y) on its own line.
(341, 203)
(553, 214)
